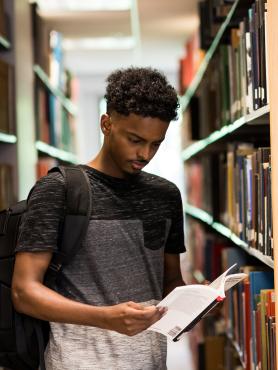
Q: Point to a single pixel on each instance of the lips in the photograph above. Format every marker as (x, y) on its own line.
(137, 165)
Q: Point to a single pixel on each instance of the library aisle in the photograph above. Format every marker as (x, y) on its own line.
(222, 57)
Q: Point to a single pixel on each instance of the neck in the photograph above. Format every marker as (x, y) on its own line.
(103, 162)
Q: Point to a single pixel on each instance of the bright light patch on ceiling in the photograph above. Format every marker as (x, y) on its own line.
(83, 5)
(99, 43)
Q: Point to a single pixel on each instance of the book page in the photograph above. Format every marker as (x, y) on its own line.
(233, 279)
(184, 305)
(188, 304)
(220, 281)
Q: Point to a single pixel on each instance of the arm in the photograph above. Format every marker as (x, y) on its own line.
(33, 298)
(172, 273)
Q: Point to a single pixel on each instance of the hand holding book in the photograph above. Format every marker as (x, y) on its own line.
(187, 305)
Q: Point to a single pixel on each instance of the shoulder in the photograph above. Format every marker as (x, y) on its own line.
(51, 186)
(53, 177)
(160, 184)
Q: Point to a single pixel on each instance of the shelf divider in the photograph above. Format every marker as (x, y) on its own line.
(56, 153)
(4, 43)
(200, 145)
(7, 138)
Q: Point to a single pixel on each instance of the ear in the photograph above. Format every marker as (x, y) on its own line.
(105, 124)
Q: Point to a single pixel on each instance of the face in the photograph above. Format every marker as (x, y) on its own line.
(130, 142)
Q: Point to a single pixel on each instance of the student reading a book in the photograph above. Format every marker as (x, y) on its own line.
(106, 297)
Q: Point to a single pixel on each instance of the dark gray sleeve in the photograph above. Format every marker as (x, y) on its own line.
(41, 223)
(175, 241)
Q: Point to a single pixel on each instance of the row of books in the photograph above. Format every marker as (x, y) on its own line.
(235, 188)
(249, 203)
(205, 184)
(55, 125)
(212, 13)
(248, 313)
(6, 186)
(48, 51)
(247, 318)
(189, 63)
(235, 83)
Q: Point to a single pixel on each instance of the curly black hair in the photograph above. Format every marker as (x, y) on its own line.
(142, 91)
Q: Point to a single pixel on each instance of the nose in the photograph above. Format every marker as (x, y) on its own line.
(145, 153)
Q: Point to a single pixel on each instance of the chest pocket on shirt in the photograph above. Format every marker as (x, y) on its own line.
(156, 233)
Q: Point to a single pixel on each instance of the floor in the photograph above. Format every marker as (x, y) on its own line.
(179, 355)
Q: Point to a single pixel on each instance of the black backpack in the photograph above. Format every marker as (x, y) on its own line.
(23, 338)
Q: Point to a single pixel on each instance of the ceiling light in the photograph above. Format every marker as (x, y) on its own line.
(99, 43)
(83, 5)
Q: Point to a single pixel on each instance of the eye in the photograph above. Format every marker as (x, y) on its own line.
(156, 145)
(133, 140)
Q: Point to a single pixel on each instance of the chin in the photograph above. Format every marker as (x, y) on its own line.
(131, 171)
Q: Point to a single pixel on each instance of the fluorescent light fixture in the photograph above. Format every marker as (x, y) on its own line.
(83, 5)
(99, 43)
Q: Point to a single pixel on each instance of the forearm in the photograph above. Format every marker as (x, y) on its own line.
(128, 318)
(43, 303)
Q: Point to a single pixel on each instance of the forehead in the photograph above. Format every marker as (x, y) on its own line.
(148, 128)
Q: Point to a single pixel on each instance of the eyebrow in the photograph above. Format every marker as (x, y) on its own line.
(141, 138)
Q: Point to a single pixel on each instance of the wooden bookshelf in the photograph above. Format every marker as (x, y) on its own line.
(260, 123)
(272, 33)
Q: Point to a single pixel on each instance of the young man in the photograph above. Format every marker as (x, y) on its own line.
(105, 299)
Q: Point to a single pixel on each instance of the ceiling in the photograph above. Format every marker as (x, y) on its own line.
(163, 29)
(158, 18)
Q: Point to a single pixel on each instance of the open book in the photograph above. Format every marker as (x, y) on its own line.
(190, 303)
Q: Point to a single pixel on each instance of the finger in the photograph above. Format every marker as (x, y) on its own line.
(136, 306)
(162, 310)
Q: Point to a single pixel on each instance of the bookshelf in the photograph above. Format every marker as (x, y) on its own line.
(211, 194)
(272, 56)
(21, 148)
(261, 115)
(185, 99)
(67, 104)
(55, 112)
(206, 218)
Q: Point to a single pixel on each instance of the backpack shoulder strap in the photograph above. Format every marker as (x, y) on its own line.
(78, 212)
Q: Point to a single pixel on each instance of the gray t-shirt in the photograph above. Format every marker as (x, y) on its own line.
(133, 222)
